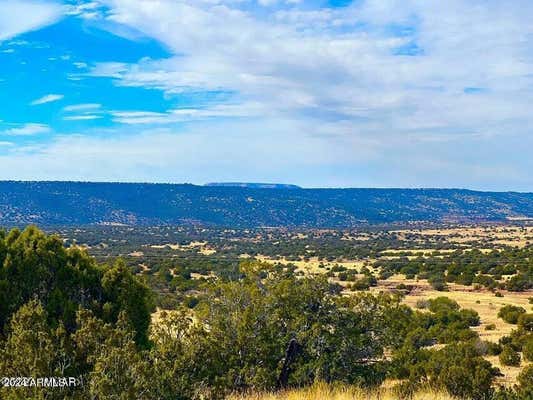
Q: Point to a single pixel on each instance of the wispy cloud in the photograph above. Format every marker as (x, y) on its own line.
(19, 16)
(49, 98)
(316, 65)
(244, 110)
(82, 107)
(29, 129)
(85, 117)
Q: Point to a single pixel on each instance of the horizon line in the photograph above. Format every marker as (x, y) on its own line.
(222, 183)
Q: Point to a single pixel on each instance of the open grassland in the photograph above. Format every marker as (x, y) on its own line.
(314, 265)
(487, 306)
(484, 302)
(326, 392)
(517, 236)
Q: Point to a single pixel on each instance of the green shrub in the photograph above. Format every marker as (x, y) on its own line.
(525, 379)
(438, 283)
(527, 349)
(510, 314)
(493, 349)
(509, 356)
(460, 369)
(191, 301)
(421, 304)
(440, 304)
(525, 322)
(490, 327)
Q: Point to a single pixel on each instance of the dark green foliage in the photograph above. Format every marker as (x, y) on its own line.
(251, 324)
(525, 322)
(509, 356)
(36, 266)
(438, 282)
(510, 313)
(458, 368)
(493, 349)
(527, 349)
(525, 380)
(490, 327)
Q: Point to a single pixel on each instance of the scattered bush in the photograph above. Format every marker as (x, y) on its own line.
(510, 313)
(490, 327)
(493, 349)
(525, 322)
(509, 356)
(527, 349)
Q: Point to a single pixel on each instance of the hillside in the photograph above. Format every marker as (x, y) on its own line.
(75, 203)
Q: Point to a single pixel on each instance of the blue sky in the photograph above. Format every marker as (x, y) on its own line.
(321, 93)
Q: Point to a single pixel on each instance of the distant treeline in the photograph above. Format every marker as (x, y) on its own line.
(78, 203)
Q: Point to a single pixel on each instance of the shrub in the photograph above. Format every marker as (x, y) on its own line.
(438, 283)
(460, 369)
(493, 349)
(490, 327)
(191, 301)
(510, 314)
(509, 356)
(471, 317)
(527, 349)
(525, 322)
(440, 304)
(421, 304)
(525, 379)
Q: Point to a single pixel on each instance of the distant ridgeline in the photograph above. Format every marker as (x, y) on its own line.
(254, 185)
(248, 205)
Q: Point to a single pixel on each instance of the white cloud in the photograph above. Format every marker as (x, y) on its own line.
(190, 154)
(190, 114)
(29, 129)
(332, 154)
(320, 63)
(85, 117)
(19, 16)
(47, 99)
(80, 65)
(82, 107)
(325, 95)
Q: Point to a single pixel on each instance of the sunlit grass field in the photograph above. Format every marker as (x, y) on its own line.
(323, 391)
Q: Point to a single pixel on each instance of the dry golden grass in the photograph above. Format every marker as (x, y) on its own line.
(510, 373)
(201, 247)
(517, 236)
(327, 392)
(487, 306)
(484, 302)
(312, 265)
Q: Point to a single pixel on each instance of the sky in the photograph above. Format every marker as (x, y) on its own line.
(319, 93)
